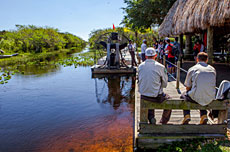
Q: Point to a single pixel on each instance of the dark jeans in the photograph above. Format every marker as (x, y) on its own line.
(189, 99)
(134, 63)
(159, 99)
(143, 57)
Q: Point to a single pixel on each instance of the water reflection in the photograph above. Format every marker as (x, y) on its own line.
(120, 89)
(72, 113)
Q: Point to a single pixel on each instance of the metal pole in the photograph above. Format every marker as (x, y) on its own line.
(178, 75)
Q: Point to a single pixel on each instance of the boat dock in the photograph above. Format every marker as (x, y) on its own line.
(149, 136)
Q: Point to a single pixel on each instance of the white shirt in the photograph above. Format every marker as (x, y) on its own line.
(131, 47)
(135, 45)
(143, 47)
(152, 78)
(202, 80)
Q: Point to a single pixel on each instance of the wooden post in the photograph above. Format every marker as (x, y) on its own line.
(143, 112)
(181, 41)
(178, 75)
(164, 60)
(188, 45)
(210, 44)
(222, 116)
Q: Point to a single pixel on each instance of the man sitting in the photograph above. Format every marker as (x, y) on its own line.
(200, 84)
(153, 78)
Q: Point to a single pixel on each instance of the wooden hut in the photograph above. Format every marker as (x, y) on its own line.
(198, 16)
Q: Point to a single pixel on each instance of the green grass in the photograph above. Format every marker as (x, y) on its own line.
(197, 145)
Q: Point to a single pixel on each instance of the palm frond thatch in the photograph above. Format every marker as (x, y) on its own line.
(188, 16)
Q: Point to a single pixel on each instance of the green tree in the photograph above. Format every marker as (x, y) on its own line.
(142, 14)
(38, 39)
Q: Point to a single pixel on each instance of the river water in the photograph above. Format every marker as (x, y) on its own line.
(64, 109)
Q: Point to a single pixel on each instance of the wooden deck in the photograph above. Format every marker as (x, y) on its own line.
(147, 136)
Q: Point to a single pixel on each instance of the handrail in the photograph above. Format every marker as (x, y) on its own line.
(176, 66)
(178, 72)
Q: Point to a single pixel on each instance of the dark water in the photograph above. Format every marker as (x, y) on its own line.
(65, 110)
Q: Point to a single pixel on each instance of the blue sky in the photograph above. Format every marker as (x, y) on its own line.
(79, 17)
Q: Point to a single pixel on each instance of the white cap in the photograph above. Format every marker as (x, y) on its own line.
(144, 40)
(150, 51)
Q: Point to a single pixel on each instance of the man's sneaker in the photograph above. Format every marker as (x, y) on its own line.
(186, 120)
(204, 120)
(153, 121)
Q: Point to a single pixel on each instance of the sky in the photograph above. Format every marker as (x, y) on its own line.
(78, 17)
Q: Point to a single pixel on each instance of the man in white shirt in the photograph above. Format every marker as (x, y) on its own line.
(132, 53)
(143, 48)
(200, 84)
(152, 78)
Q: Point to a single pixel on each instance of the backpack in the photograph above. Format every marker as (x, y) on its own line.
(175, 50)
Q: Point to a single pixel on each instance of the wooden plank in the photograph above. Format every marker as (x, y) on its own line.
(172, 91)
(152, 142)
(136, 115)
(183, 129)
(181, 104)
(143, 113)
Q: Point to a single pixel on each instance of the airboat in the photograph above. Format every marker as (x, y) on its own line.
(117, 59)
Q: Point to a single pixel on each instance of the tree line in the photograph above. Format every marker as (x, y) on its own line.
(33, 39)
(149, 35)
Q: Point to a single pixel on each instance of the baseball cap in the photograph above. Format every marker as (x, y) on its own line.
(150, 52)
(144, 40)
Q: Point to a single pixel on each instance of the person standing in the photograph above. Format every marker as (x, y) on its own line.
(200, 84)
(165, 47)
(152, 78)
(160, 51)
(143, 48)
(196, 49)
(171, 57)
(132, 53)
(202, 48)
(179, 52)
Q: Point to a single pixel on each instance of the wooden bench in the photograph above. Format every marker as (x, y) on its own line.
(149, 136)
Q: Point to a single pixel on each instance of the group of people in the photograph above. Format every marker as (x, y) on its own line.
(171, 50)
(200, 83)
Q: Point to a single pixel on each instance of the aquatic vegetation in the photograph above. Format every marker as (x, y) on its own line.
(5, 75)
(36, 59)
(83, 59)
(44, 62)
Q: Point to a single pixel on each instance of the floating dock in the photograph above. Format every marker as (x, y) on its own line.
(123, 70)
(101, 69)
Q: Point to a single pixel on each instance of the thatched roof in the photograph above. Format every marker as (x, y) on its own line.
(189, 16)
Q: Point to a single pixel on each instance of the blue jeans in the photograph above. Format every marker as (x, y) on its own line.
(143, 57)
